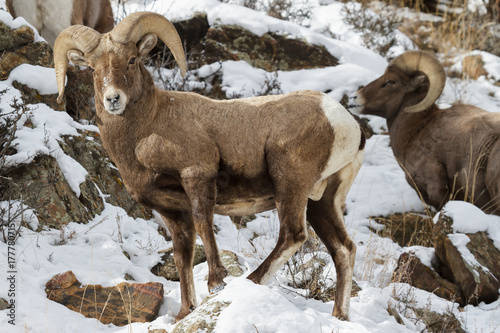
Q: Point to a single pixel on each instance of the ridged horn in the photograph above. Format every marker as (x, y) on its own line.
(412, 62)
(76, 37)
(133, 27)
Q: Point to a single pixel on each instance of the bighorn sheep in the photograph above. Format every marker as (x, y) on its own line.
(50, 17)
(188, 156)
(446, 153)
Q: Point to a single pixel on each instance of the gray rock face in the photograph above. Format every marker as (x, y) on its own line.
(477, 276)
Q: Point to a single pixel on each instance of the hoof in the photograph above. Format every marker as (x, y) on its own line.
(218, 288)
(183, 313)
(341, 316)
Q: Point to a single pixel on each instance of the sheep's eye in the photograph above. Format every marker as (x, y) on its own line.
(132, 61)
(388, 82)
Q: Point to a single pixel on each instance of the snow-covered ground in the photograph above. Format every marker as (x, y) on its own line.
(94, 251)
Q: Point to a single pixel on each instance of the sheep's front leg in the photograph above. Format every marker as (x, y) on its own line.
(183, 233)
(201, 190)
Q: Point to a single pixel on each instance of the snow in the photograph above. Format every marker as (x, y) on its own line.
(469, 219)
(40, 78)
(95, 251)
(6, 18)
(43, 137)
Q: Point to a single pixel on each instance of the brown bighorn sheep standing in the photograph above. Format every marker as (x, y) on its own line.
(295, 151)
(446, 153)
(50, 17)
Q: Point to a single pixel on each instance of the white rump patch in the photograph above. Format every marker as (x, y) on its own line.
(347, 136)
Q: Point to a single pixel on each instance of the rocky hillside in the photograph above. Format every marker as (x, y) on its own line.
(80, 241)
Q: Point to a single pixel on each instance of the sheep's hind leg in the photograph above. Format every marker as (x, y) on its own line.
(291, 212)
(183, 233)
(327, 219)
(202, 192)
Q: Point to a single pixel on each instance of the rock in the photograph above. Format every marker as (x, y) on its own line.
(119, 305)
(470, 272)
(3, 304)
(12, 39)
(79, 94)
(203, 318)
(32, 96)
(270, 51)
(18, 47)
(438, 322)
(394, 312)
(87, 150)
(167, 268)
(44, 188)
(193, 30)
(412, 271)
(230, 261)
(485, 252)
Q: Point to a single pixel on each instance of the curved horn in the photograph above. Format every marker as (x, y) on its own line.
(424, 62)
(76, 37)
(133, 27)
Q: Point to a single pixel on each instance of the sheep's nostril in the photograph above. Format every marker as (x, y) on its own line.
(353, 97)
(114, 99)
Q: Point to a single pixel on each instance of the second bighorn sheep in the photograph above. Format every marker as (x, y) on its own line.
(175, 151)
(446, 153)
(50, 17)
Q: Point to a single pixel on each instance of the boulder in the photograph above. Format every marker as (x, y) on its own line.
(18, 47)
(230, 261)
(43, 187)
(78, 99)
(119, 305)
(203, 318)
(32, 96)
(271, 51)
(87, 150)
(412, 271)
(167, 267)
(473, 267)
(438, 322)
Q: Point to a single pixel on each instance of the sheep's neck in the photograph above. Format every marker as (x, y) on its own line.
(119, 132)
(405, 127)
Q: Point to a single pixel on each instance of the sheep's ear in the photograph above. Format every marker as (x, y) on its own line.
(146, 44)
(418, 81)
(77, 58)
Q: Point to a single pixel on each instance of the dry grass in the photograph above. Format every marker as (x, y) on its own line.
(456, 31)
(446, 30)
(407, 229)
(451, 30)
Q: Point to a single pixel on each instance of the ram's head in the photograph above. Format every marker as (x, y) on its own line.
(412, 83)
(116, 57)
